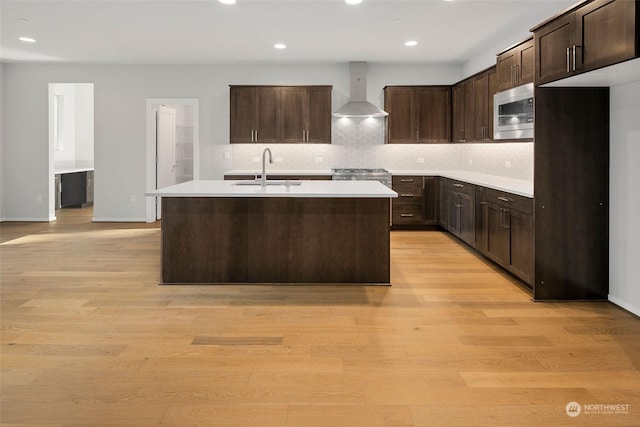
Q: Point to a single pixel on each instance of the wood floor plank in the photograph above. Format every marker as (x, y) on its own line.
(89, 338)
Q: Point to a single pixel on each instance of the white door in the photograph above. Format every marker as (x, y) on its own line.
(165, 149)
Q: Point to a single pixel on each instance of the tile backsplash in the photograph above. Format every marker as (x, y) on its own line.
(359, 142)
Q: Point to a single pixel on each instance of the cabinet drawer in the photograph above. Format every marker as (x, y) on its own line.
(509, 200)
(460, 187)
(406, 214)
(408, 196)
(405, 182)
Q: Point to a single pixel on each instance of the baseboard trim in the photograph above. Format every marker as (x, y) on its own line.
(623, 304)
(119, 220)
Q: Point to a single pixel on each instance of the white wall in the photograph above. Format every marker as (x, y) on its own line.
(624, 227)
(120, 93)
(84, 124)
(66, 154)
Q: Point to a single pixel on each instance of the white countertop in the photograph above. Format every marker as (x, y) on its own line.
(72, 169)
(496, 182)
(313, 189)
(510, 185)
(308, 172)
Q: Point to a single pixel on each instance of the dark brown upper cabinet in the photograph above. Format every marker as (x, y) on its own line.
(473, 107)
(280, 114)
(515, 66)
(592, 35)
(418, 114)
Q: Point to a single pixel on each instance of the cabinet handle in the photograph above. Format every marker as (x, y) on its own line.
(406, 215)
(504, 199)
(256, 135)
(568, 60)
(308, 135)
(458, 185)
(574, 57)
(406, 195)
(517, 73)
(513, 80)
(457, 206)
(406, 180)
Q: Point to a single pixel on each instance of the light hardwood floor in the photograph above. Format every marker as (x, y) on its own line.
(90, 339)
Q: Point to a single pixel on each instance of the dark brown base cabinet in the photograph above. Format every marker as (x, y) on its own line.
(275, 240)
(571, 180)
(417, 202)
(505, 233)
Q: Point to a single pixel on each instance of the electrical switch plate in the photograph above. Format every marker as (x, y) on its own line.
(227, 155)
(278, 159)
(470, 161)
(319, 159)
(420, 160)
(132, 198)
(39, 198)
(255, 159)
(507, 164)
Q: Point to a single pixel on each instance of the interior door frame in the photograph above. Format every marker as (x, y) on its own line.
(152, 104)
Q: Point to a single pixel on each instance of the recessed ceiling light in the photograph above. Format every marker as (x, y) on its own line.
(280, 46)
(23, 20)
(227, 1)
(411, 43)
(353, 1)
(27, 39)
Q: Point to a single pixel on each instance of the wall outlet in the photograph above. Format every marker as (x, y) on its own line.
(132, 198)
(507, 164)
(278, 160)
(39, 198)
(319, 159)
(255, 159)
(470, 161)
(226, 155)
(420, 160)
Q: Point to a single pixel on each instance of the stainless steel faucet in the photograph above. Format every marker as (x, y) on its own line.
(264, 172)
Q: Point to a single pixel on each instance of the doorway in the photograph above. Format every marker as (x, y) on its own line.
(71, 146)
(172, 146)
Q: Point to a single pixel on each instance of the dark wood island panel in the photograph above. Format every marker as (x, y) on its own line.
(275, 240)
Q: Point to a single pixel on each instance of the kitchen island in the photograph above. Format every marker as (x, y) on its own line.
(305, 232)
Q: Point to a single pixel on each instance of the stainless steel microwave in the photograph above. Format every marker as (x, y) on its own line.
(513, 113)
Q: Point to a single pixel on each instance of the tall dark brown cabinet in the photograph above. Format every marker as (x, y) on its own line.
(571, 181)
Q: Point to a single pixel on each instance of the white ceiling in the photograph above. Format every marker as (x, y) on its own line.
(205, 31)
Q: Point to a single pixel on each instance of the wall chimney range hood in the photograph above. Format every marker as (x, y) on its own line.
(358, 106)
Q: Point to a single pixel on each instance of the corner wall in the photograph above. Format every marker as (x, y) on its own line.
(624, 194)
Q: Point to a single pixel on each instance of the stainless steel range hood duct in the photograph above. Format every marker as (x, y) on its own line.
(358, 106)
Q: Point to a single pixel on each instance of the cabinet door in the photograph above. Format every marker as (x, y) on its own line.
(432, 114)
(293, 114)
(480, 107)
(453, 212)
(399, 103)
(492, 76)
(319, 120)
(430, 200)
(506, 65)
(521, 255)
(467, 218)
(268, 123)
(243, 114)
(552, 42)
(607, 28)
(496, 242)
(469, 111)
(458, 113)
(526, 63)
